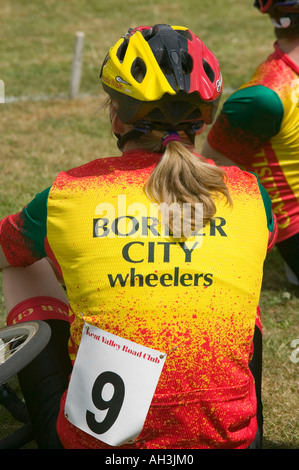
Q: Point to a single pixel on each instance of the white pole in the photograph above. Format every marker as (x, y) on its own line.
(2, 94)
(77, 65)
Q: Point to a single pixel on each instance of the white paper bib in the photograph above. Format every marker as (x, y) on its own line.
(112, 385)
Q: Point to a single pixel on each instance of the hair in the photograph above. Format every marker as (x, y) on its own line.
(182, 178)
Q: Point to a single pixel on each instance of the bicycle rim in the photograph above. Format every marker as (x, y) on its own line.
(19, 345)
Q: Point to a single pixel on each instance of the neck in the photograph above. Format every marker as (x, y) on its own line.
(131, 145)
(290, 47)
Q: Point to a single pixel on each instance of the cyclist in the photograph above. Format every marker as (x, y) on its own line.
(162, 297)
(258, 128)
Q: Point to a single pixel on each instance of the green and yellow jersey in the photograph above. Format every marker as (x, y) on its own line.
(258, 128)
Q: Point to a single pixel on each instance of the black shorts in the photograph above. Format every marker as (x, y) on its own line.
(43, 383)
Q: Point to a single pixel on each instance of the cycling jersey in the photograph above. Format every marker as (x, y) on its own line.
(125, 274)
(258, 129)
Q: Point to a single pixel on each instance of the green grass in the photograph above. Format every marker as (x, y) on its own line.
(39, 138)
(37, 37)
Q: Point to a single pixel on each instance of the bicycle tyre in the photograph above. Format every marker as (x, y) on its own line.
(32, 337)
(18, 438)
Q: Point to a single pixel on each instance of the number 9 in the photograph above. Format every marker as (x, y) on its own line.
(113, 405)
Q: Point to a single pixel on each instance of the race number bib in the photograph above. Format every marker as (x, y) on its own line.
(112, 385)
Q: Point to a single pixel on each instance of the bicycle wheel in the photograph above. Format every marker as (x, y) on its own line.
(19, 345)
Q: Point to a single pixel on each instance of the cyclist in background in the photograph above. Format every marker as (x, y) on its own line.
(150, 246)
(257, 128)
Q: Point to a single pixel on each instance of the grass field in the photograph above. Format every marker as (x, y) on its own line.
(39, 137)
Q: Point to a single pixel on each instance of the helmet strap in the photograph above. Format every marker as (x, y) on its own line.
(136, 133)
(131, 135)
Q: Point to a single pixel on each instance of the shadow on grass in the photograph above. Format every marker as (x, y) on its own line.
(277, 445)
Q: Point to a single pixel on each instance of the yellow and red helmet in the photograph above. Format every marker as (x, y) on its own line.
(162, 77)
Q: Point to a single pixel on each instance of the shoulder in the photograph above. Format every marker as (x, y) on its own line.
(254, 99)
(38, 204)
(245, 182)
(77, 175)
(93, 168)
(250, 184)
(255, 108)
(110, 167)
(277, 70)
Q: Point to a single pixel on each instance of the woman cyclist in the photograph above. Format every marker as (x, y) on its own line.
(161, 253)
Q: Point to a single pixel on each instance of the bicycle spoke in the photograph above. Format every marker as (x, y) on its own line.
(5, 347)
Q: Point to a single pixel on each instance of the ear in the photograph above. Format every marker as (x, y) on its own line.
(117, 126)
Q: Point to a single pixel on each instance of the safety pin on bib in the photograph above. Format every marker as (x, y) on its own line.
(170, 351)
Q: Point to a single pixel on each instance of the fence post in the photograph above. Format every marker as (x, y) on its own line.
(76, 65)
(2, 93)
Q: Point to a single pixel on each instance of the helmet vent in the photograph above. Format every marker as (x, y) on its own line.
(121, 52)
(185, 33)
(163, 61)
(209, 71)
(138, 70)
(148, 33)
(187, 62)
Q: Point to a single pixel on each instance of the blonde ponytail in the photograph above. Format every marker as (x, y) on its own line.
(180, 178)
(183, 178)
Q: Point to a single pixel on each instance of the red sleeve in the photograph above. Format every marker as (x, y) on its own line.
(250, 117)
(22, 235)
(235, 144)
(18, 251)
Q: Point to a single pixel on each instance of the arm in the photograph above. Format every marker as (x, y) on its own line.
(208, 152)
(3, 261)
(249, 118)
(22, 235)
(271, 218)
